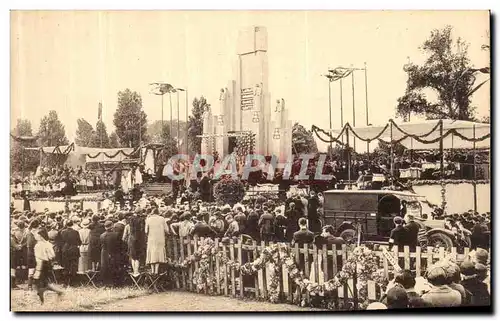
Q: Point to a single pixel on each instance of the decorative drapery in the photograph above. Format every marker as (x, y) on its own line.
(396, 133)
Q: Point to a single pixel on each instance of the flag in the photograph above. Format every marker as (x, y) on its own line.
(99, 112)
(339, 73)
(161, 88)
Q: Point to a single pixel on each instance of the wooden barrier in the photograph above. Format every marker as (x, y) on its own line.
(229, 282)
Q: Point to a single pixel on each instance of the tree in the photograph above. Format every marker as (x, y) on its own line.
(448, 72)
(113, 140)
(52, 131)
(170, 145)
(130, 120)
(100, 137)
(155, 130)
(195, 123)
(302, 140)
(84, 133)
(21, 159)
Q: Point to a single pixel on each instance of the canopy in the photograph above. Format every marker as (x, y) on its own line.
(91, 155)
(426, 134)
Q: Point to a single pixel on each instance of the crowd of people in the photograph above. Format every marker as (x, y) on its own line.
(445, 284)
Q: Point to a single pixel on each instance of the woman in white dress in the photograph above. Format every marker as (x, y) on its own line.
(156, 228)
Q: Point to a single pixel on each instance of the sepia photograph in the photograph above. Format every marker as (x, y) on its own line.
(250, 161)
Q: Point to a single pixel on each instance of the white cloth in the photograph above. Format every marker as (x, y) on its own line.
(38, 171)
(129, 179)
(138, 176)
(149, 162)
(124, 184)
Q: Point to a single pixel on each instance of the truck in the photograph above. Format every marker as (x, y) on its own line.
(367, 216)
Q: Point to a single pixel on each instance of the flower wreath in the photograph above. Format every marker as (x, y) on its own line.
(362, 263)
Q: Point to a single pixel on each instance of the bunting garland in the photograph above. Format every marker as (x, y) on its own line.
(347, 127)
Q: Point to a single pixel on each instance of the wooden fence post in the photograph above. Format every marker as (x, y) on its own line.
(224, 251)
(306, 268)
(217, 267)
(240, 260)
(257, 276)
(233, 279)
(264, 273)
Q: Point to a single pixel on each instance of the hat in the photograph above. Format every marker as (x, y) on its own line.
(481, 256)
(376, 306)
(398, 220)
(108, 225)
(109, 217)
(467, 268)
(85, 223)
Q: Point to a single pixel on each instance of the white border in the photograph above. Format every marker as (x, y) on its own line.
(191, 5)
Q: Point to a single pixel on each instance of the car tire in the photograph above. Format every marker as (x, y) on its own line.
(440, 240)
(349, 236)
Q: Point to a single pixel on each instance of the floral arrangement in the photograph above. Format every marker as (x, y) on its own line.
(361, 264)
(229, 191)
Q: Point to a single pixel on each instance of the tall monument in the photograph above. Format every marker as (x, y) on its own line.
(245, 103)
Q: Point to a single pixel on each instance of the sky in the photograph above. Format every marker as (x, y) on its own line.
(68, 61)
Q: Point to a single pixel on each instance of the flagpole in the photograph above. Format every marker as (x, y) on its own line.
(187, 122)
(366, 105)
(330, 110)
(178, 117)
(341, 109)
(170, 125)
(353, 109)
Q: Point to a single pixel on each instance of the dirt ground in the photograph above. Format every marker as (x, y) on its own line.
(185, 301)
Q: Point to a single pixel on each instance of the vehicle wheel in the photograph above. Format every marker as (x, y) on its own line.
(349, 236)
(437, 240)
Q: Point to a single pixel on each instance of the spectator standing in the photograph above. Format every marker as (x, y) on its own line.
(156, 228)
(70, 252)
(109, 254)
(266, 226)
(84, 260)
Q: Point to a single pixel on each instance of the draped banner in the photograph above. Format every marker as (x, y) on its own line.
(426, 133)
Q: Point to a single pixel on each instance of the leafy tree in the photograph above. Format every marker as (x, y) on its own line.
(100, 137)
(52, 131)
(195, 123)
(130, 120)
(302, 140)
(84, 133)
(170, 145)
(113, 140)
(155, 130)
(21, 159)
(448, 72)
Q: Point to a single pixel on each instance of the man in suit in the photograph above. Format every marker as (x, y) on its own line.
(119, 228)
(202, 229)
(293, 215)
(266, 226)
(303, 235)
(109, 254)
(412, 229)
(70, 252)
(399, 235)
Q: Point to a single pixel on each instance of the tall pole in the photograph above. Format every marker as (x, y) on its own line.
(366, 105)
(348, 159)
(474, 162)
(178, 121)
(187, 122)
(341, 109)
(353, 108)
(170, 125)
(140, 127)
(162, 125)
(441, 148)
(330, 110)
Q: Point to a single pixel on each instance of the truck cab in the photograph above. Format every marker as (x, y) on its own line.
(370, 212)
